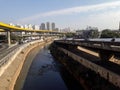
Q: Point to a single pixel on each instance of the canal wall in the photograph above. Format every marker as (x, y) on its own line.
(13, 63)
(90, 75)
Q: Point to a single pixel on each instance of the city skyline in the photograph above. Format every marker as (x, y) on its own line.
(42, 26)
(69, 13)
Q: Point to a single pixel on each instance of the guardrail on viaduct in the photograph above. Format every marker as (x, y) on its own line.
(106, 49)
(12, 54)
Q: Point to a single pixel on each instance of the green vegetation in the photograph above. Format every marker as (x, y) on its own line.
(93, 34)
(15, 38)
(70, 35)
(110, 34)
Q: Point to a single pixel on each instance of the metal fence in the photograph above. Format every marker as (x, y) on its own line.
(12, 52)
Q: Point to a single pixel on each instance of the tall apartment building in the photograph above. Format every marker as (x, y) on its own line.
(36, 27)
(48, 25)
(42, 27)
(53, 26)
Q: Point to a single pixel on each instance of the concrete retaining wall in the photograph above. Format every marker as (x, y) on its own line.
(105, 73)
(10, 70)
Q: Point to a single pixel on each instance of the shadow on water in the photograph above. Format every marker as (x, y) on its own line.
(69, 80)
(47, 74)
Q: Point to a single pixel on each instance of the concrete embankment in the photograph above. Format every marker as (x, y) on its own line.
(25, 68)
(78, 67)
(11, 70)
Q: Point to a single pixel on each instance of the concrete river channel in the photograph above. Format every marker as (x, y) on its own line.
(43, 72)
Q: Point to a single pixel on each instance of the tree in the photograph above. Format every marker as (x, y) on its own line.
(15, 38)
(107, 33)
(70, 35)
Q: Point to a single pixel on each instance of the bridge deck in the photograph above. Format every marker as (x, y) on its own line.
(108, 65)
(104, 45)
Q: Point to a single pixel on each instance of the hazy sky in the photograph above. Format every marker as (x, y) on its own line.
(77, 14)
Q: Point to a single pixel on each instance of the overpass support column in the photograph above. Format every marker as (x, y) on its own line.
(105, 55)
(8, 38)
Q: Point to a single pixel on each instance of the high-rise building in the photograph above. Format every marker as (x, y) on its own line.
(42, 27)
(30, 26)
(26, 26)
(36, 27)
(53, 26)
(48, 25)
